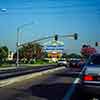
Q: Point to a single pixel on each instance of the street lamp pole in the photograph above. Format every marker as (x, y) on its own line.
(17, 41)
(17, 47)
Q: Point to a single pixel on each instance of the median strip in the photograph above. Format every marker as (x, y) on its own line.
(9, 81)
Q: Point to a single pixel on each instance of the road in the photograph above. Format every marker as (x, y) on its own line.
(53, 86)
(58, 85)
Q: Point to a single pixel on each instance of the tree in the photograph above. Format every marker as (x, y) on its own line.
(74, 55)
(30, 51)
(3, 53)
(5, 48)
(64, 55)
(87, 50)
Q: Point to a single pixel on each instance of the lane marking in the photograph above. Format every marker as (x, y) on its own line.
(71, 89)
(76, 81)
(9, 81)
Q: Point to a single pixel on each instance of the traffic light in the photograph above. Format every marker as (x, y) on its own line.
(96, 44)
(75, 36)
(56, 37)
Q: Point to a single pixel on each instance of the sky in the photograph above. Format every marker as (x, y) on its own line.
(50, 17)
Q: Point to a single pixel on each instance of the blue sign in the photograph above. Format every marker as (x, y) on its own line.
(52, 47)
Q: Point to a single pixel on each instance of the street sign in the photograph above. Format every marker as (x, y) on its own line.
(54, 49)
(52, 46)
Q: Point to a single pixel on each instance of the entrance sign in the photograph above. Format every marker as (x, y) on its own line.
(54, 49)
(52, 46)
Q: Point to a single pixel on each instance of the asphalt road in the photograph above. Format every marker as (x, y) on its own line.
(58, 85)
(46, 87)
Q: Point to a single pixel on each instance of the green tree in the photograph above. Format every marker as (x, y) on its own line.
(3, 53)
(64, 55)
(5, 48)
(74, 55)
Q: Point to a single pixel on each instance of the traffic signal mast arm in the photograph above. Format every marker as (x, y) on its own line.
(75, 36)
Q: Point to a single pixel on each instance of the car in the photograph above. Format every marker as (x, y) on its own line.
(76, 63)
(62, 63)
(90, 82)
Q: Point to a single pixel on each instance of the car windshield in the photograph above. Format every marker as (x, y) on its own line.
(95, 59)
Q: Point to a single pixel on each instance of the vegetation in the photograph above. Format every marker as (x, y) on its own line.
(30, 51)
(3, 54)
(87, 50)
(71, 55)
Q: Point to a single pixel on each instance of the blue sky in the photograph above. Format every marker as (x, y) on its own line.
(50, 16)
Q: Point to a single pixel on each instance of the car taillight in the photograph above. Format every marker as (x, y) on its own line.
(88, 78)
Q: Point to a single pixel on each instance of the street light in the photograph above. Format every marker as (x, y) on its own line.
(17, 41)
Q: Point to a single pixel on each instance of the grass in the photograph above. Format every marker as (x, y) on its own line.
(38, 63)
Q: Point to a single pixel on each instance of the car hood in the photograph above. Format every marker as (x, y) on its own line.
(94, 69)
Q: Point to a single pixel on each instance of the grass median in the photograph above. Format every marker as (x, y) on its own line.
(36, 64)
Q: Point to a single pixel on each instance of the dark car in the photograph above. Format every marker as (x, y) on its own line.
(76, 63)
(91, 75)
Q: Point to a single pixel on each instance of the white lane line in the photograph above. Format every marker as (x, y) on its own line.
(71, 89)
(95, 99)
(9, 81)
(76, 81)
(73, 86)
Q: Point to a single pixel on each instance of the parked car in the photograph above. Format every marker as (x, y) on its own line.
(91, 75)
(62, 62)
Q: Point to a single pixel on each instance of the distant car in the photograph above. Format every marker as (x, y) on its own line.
(91, 75)
(76, 63)
(62, 62)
